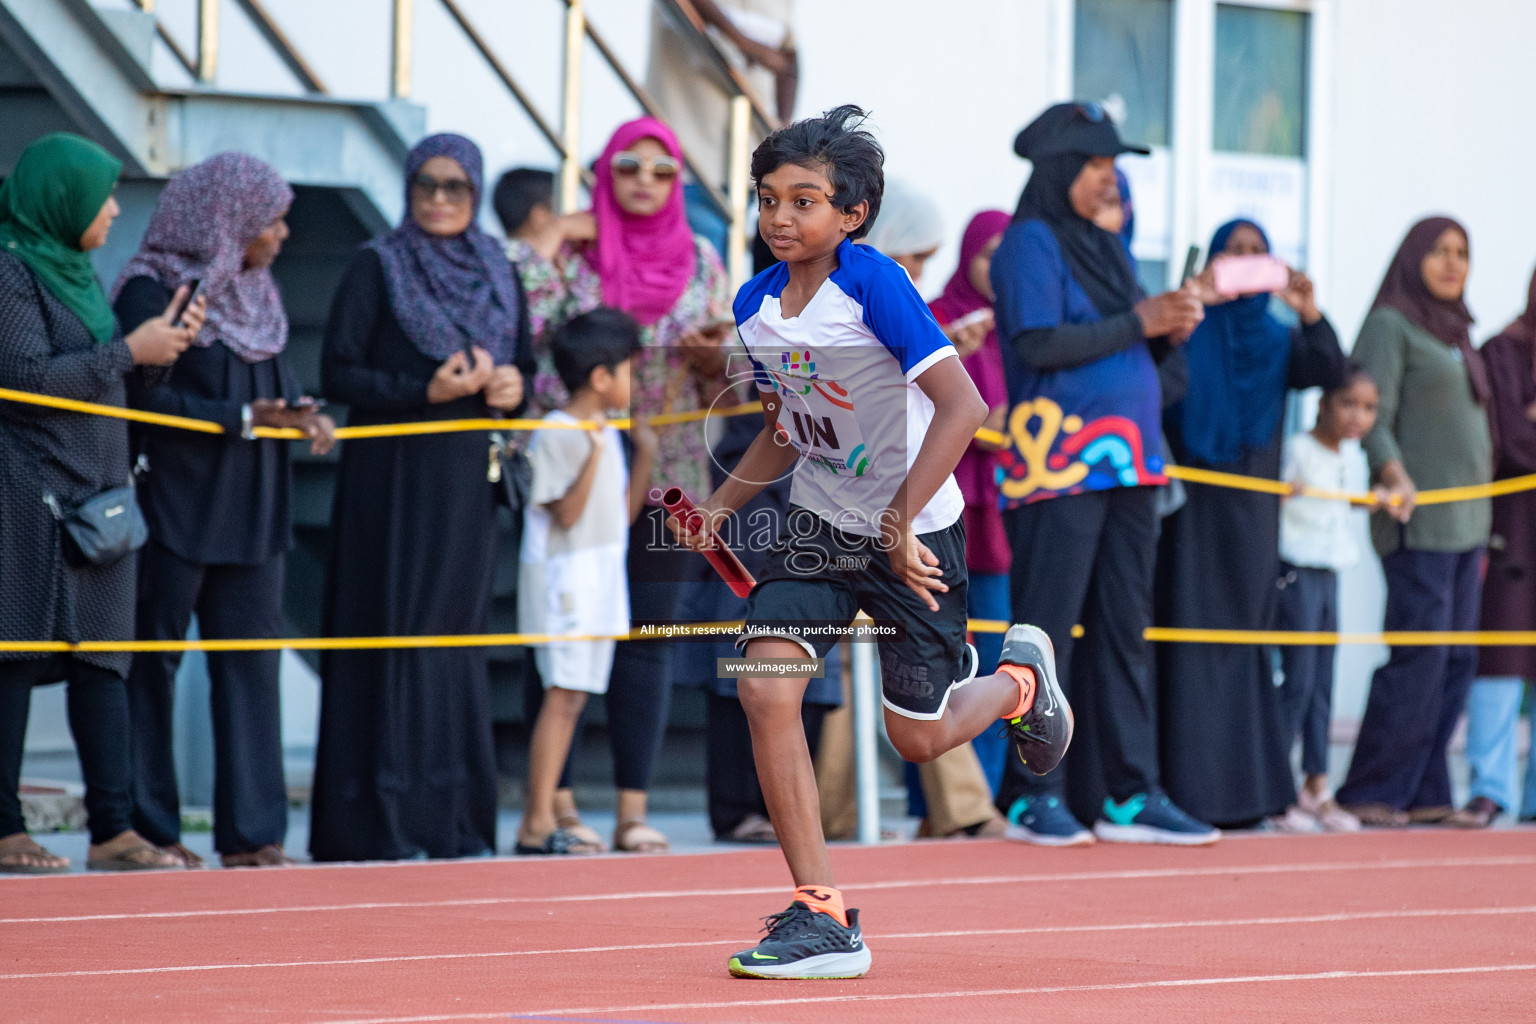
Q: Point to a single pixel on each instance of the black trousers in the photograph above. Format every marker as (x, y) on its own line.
(1088, 559)
(1418, 695)
(250, 802)
(1309, 603)
(729, 771)
(98, 720)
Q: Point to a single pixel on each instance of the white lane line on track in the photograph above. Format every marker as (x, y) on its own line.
(913, 883)
(1041, 990)
(1364, 915)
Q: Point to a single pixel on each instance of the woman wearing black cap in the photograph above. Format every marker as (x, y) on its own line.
(1081, 343)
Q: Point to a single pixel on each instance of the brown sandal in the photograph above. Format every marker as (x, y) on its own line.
(269, 856)
(21, 855)
(187, 857)
(139, 856)
(635, 836)
(754, 828)
(1379, 815)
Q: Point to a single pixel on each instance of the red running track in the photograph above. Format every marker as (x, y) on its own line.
(1380, 927)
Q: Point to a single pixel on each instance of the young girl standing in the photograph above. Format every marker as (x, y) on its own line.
(1317, 542)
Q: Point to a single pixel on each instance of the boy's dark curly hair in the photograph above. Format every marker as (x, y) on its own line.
(837, 142)
(599, 337)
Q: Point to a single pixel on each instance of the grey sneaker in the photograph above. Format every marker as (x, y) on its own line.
(1043, 734)
(804, 944)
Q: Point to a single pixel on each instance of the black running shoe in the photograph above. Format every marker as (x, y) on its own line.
(1043, 734)
(804, 944)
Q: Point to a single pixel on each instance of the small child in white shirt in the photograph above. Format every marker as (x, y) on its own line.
(571, 580)
(1317, 542)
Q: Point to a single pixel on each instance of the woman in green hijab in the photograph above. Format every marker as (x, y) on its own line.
(58, 337)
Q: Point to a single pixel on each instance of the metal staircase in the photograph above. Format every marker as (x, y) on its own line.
(142, 78)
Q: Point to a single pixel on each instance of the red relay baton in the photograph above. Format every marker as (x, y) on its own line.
(720, 557)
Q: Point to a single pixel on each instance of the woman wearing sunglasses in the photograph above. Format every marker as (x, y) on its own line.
(646, 261)
(428, 324)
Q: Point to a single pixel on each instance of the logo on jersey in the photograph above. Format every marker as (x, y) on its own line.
(817, 436)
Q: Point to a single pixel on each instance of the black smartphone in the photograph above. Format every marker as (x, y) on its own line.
(192, 287)
(1191, 258)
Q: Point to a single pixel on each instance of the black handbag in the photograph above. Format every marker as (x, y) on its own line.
(102, 529)
(510, 468)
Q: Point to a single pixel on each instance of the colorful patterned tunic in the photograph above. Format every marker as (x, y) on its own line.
(567, 286)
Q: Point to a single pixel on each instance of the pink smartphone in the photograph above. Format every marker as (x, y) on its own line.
(1246, 275)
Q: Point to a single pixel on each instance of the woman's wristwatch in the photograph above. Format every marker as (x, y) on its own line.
(247, 422)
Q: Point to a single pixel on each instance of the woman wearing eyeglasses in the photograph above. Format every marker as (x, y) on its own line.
(645, 260)
(429, 324)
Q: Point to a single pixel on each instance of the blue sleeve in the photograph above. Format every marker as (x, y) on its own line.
(749, 299)
(761, 376)
(901, 320)
(1029, 278)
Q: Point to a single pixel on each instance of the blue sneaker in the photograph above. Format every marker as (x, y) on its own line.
(1152, 818)
(1045, 821)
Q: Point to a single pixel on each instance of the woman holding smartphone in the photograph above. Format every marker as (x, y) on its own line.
(645, 260)
(217, 504)
(1225, 752)
(58, 337)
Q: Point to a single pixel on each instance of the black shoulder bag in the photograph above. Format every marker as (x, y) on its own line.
(509, 467)
(101, 529)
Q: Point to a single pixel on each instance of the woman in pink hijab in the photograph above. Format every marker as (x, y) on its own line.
(640, 257)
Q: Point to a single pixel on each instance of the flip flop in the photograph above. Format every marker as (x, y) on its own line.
(139, 857)
(269, 856)
(635, 836)
(28, 847)
(1378, 815)
(587, 839)
(186, 856)
(559, 843)
(754, 828)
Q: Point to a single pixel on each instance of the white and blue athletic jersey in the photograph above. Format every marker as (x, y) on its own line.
(844, 369)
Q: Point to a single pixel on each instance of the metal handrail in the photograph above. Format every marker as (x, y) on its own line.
(502, 72)
(563, 142)
(730, 78)
(182, 57)
(747, 108)
(640, 96)
(286, 51)
(202, 63)
(207, 40)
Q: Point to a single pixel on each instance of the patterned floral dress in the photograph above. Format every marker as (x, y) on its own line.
(568, 286)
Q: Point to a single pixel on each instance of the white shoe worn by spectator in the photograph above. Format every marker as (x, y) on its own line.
(1327, 812)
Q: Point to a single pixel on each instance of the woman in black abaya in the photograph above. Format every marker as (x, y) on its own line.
(429, 323)
(1225, 754)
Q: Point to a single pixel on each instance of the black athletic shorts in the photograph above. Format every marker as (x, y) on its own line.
(817, 576)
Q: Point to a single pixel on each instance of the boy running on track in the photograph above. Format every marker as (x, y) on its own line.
(857, 379)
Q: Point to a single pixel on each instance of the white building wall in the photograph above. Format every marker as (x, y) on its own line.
(1426, 114)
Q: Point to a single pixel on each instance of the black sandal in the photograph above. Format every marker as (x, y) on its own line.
(559, 843)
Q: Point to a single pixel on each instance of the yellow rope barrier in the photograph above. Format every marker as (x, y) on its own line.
(1189, 474)
(358, 433)
(1156, 634)
(342, 643)
(1448, 638)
